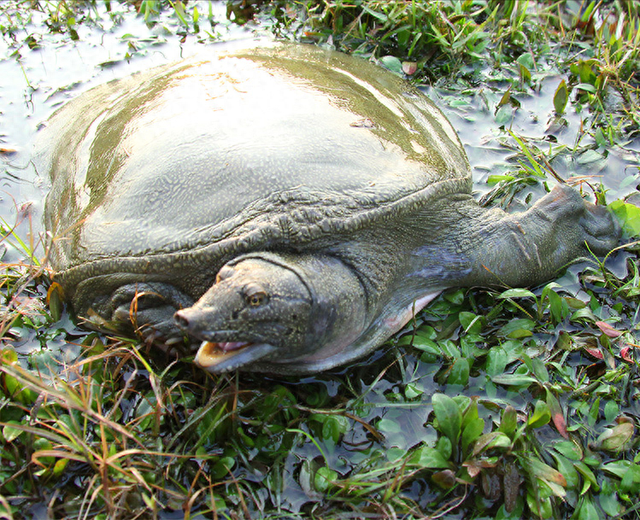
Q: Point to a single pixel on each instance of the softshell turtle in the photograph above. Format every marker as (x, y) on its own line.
(289, 207)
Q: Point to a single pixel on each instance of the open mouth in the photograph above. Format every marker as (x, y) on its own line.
(229, 355)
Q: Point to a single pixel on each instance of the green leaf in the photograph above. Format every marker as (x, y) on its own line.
(491, 440)
(586, 87)
(587, 474)
(471, 432)
(540, 506)
(514, 379)
(561, 97)
(517, 293)
(631, 480)
(445, 447)
(517, 328)
(616, 438)
(324, 479)
(628, 215)
(448, 415)
(472, 323)
(10, 432)
(568, 470)
(495, 179)
(587, 510)
(392, 63)
(509, 421)
(541, 415)
(425, 457)
(608, 499)
(389, 426)
(568, 449)
(497, 360)
(544, 472)
(459, 372)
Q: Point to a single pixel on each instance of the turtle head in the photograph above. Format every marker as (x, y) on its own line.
(269, 309)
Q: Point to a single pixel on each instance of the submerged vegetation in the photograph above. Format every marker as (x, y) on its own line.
(501, 404)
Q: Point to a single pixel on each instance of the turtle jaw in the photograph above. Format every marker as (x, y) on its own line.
(226, 356)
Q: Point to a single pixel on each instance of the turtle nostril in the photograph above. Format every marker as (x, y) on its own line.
(181, 319)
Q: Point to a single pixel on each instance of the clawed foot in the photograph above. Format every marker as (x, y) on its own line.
(572, 215)
(148, 310)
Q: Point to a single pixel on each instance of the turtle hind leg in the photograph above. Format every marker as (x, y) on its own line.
(531, 247)
(601, 231)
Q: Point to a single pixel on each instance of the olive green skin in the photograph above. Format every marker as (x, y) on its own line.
(305, 157)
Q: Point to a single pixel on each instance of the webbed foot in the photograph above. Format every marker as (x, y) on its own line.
(579, 220)
(148, 309)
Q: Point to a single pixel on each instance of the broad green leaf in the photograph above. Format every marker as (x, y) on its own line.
(618, 467)
(517, 293)
(631, 480)
(561, 97)
(540, 506)
(394, 454)
(509, 421)
(459, 372)
(448, 415)
(629, 216)
(608, 498)
(392, 63)
(586, 510)
(542, 471)
(324, 479)
(541, 415)
(472, 323)
(490, 440)
(471, 432)
(587, 474)
(616, 438)
(517, 328)
(569, 450)
(389, 426)
(586, 87)
(497, 360)
(413, 390)
(590, 156)
(568, 470)
(426, 457)
(11, 432)
(445, 447)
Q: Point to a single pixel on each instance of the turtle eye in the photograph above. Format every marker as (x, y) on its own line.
(255, 296)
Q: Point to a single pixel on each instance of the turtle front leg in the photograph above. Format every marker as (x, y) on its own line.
(147, 309)
(531, 247)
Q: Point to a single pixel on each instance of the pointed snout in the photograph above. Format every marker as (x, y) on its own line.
(191, 320)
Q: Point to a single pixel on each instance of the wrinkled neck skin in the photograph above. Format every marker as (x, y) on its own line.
(340, 310)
